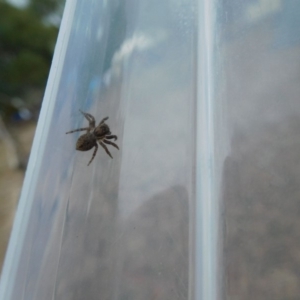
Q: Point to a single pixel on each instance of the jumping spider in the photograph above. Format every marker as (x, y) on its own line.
(93, 135)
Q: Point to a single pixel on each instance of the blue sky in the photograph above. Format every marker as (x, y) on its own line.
(19, 3)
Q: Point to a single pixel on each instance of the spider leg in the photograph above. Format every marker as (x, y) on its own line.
(111, 137)
(80, 129)
(105, 148)
(94, 154)
(90, 118)
(111, 143)
(103, 120)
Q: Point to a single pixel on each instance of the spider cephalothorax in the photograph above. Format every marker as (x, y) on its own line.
(100, 134)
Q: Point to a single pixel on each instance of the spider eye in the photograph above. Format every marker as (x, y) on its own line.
(101, 131)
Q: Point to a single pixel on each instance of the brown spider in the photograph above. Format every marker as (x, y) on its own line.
(94, 134)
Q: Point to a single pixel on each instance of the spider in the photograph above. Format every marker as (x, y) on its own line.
(94, 134)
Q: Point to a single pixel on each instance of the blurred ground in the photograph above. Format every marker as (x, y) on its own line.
(11, 180)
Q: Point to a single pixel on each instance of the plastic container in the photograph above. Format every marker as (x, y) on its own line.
(200, 202)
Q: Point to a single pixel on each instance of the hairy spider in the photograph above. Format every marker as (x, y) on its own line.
(94, 134)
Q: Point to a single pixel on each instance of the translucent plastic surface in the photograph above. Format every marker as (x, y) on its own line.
(201, 200)
(261, 67)
(119, 228)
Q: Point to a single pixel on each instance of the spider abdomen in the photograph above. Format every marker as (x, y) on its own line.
(86, 142)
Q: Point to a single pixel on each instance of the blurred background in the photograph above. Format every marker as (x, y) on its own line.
(28, 32)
